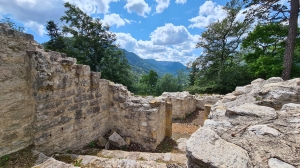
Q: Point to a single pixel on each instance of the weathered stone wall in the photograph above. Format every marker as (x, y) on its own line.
(140, 119)
(71, 102)
(74, 105)
(183, 103)
(50, 101)
(16, 101)
(202, 100)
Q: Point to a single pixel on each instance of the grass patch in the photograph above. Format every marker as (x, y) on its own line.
(64, 158)
(23, 158)
(4, 160)
(167, 145)
(77, 162)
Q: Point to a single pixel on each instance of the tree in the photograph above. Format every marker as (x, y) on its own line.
(193, 70)
(291, 38)
(220, 44)
(272, 11)
(57, 42)
(12, 25)
(221, 39)
(264, 48)
(94, 44)
(167, 83)
(150, 80)
(182, 80)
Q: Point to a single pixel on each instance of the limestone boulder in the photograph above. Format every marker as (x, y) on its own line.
(101, 142)
(264, 130)
(181, 144)
(276, 163)
(257, 125)
(206, 149)
(251, 110)
(116, 140)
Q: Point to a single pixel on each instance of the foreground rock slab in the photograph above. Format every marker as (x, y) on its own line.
(206, 149)
(116, 159)
(257, 125)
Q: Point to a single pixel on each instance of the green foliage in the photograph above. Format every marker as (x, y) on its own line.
(58, 42)
(12, 25)
(151, 84)
(150, 80)
(78, 162)
(124, 148)
(92, 144)
(91, 43)
(4, 160)
(220, 68)
(274, 12)
(232, 76)
(167, 83)
(264, 48)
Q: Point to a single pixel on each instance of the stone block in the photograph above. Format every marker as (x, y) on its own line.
(116, 140)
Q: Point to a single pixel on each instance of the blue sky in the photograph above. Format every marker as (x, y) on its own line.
(159, 29)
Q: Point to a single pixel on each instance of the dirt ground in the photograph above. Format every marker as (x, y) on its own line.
(184, 128)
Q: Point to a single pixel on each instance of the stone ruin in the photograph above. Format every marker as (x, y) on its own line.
(57, 105)
(49, 101)
(184, 103)
(257, 125)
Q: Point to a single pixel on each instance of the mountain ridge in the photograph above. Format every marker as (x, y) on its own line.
(143, 66)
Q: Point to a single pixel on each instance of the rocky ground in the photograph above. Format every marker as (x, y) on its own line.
(257, 125)
(170, 153)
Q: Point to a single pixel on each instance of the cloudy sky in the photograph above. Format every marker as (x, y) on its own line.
(158, 29)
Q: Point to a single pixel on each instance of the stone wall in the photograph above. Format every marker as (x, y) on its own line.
(143, 120)
(72, 102)
(202, 100)
(184, 103)
(16, 101)
(57, 105)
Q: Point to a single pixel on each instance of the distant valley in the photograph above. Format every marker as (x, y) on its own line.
(142, 66)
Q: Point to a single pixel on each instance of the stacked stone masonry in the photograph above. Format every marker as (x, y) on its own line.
(184, 103)
(49, 101)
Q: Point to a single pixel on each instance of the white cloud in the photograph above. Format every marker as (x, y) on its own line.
(208, 13)
(39, 28)
(162, 5)
(182, 52)
(35, 13)
(92, 6)
(127, 21)
(138, 6)
(114, 19)
(32, 10)
(181, 1)
(169, 35)
(125, 40)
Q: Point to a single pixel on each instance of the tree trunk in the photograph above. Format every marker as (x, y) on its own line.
(291, 40)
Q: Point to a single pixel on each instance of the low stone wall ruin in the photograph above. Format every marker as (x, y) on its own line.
(184, 103)
(57, 105)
